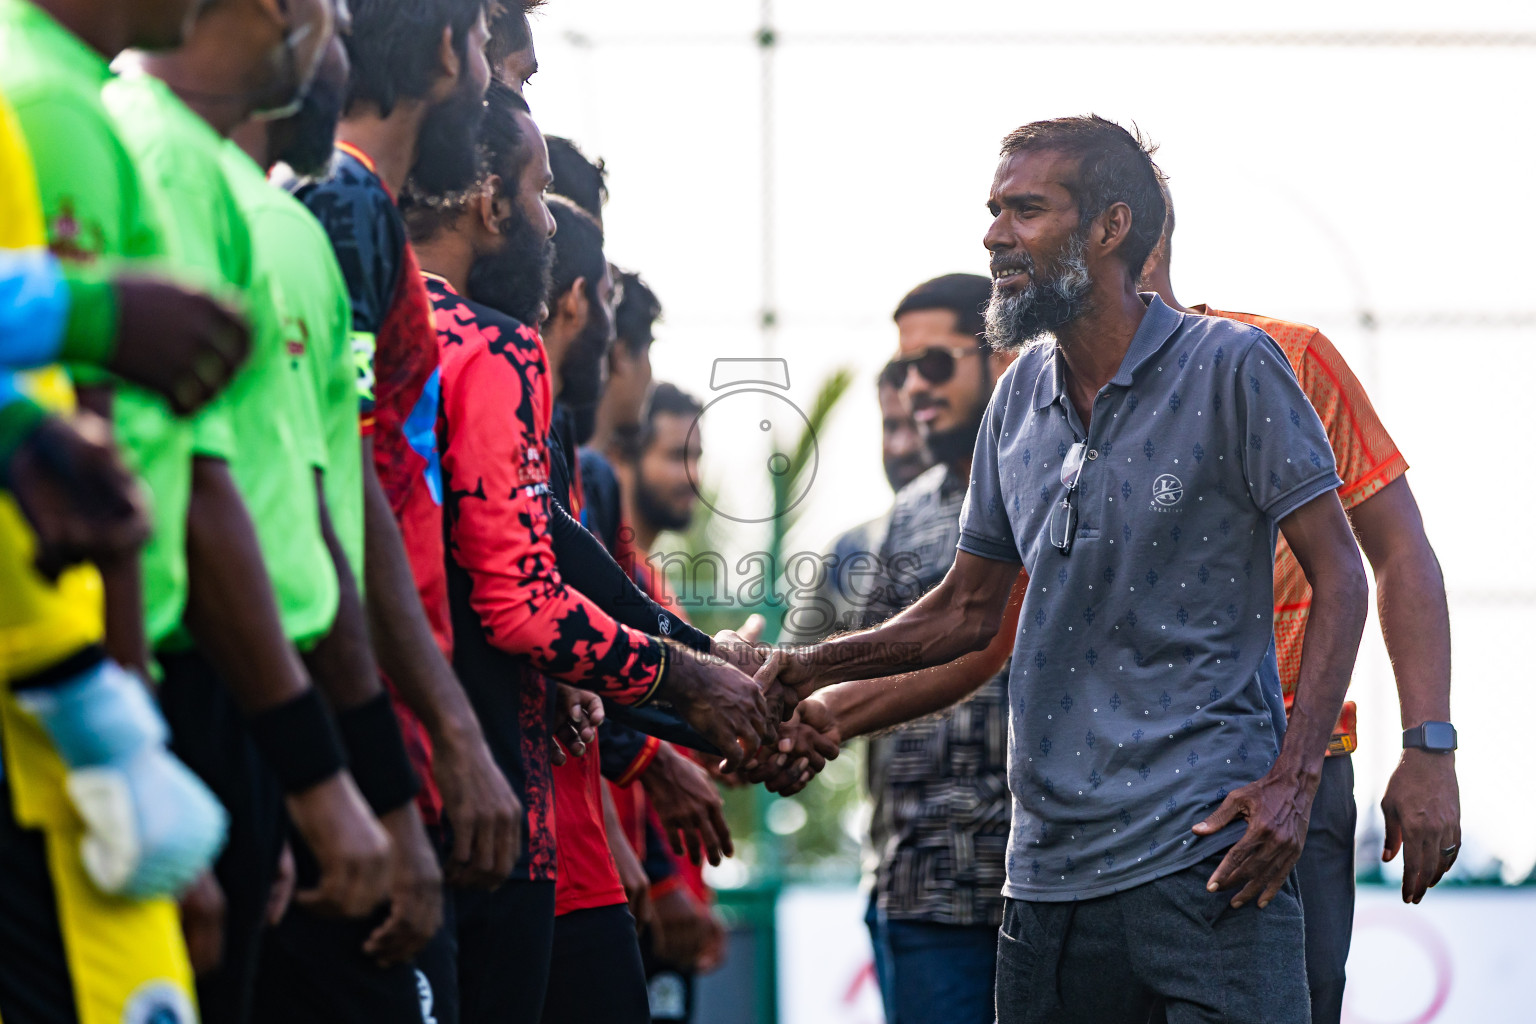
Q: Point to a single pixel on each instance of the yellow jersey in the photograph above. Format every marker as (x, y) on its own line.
(125, 958)
(40, 622)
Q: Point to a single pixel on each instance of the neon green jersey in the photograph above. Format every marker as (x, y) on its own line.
(204, 242)
(95, 212)
(274, 400)
(292, 242)
(89, 187)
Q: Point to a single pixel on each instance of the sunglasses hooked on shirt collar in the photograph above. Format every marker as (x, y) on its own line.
(1062, 526)
(935, 365)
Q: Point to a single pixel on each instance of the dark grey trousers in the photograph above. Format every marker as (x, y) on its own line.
(1166, 950)
(1326, 877)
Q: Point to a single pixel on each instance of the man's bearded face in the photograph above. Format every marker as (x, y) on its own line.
(516, 279)
(1056, 295)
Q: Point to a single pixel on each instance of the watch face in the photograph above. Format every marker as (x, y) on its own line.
(1439, 736)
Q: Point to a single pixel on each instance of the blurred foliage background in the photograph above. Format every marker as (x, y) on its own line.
(815, 834)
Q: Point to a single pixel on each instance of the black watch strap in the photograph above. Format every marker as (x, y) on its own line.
(1435, 737)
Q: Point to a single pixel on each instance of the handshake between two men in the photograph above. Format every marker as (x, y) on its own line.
(861, 684)
(938, 652)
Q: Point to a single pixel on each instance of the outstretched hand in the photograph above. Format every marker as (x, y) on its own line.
(743, 647)
(724, 705)
(807, 742)
(781, 698)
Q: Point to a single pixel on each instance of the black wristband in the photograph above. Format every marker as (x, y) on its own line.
(377, 754)
(77, 664)
(299, 742)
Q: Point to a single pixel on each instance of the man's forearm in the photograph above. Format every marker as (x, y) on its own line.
(231, 608)
(863, 707)
(341, 664)
(961, 615)
(1415, 622)
(587, 566)
(122, 581)
(1416, 625)
(401, 635)
(905, 643)
(868, 706)
(1334, 626)
(122, 585)
(1421, 805)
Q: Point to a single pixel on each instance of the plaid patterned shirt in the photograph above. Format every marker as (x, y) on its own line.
(940, 785)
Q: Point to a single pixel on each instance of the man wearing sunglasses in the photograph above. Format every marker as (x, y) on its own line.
(1137, 463)
(939, 786)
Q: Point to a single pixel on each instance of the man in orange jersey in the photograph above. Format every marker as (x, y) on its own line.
(1422, 805)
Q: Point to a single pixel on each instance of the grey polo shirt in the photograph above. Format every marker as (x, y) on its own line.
(1137, 689)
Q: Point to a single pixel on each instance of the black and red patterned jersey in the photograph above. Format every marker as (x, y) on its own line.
(395, 349)
(496, 413)
(515, 618)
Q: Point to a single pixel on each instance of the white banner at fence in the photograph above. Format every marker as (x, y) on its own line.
(1463, 956)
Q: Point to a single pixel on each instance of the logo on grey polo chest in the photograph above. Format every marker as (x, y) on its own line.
(1167, 491)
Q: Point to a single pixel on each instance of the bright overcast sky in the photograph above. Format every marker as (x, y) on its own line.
(1313, 182)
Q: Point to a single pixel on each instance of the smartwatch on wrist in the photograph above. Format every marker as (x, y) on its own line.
(1435, 737)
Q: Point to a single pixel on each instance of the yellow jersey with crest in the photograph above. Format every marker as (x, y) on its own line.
(125, 959)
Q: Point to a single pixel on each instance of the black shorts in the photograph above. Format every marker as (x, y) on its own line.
(670, 988)
(313, 969)
(505, 942)
(208, 733)
(598, 943)
(437, 966)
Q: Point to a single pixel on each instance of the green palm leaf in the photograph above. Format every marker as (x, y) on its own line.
(803, 455)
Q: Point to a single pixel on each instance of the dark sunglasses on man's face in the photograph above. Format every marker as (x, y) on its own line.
(934, 365)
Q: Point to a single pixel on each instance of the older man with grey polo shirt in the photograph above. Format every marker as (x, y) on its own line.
(1137, 464)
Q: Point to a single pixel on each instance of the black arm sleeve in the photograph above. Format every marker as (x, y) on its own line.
(588, 567)
(617, 747)
(655, 719)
